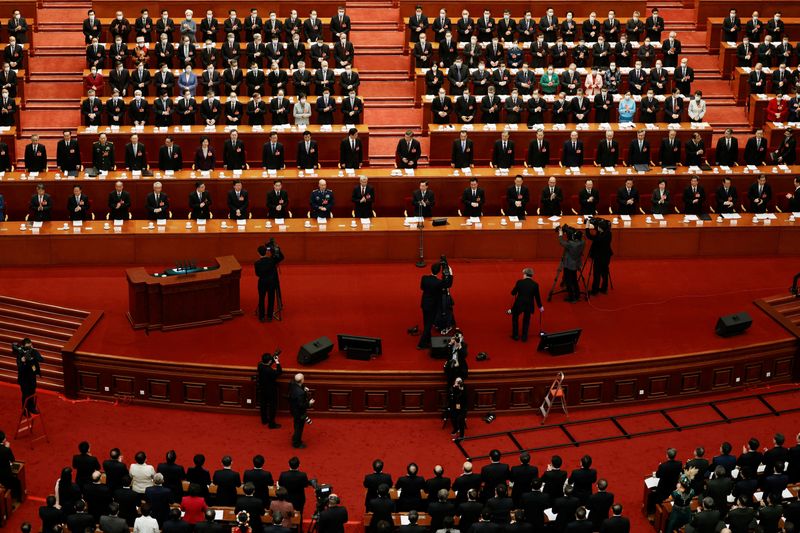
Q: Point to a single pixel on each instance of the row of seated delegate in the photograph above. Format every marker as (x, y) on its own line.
(768, 53)
(321, 201)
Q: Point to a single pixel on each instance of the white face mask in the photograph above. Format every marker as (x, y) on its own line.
(119, 17)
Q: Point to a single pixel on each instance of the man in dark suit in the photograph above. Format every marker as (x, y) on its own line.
(307, 152)
(786, 151)
(566, 508)
(200, 209)
(707, 520)
(572, 151)
(667, 473)
(170, 156)
(35, 155)
(68, 154)
(51, 516)
(119, 203)
(326, 105)
(173, 473)
(727, 150)
(266, 270)
(233, 153)
(726, 197)
(760, 195)
(157, 204)
(97, 496)
(135, 157)
(607, 151)
(648, 108)
(159, 497)
(441, 107)
(91, 109)
(472, 199)
(334, 517)
(363, 197)
(462, 154)
(84, 463)
(374, 480)
(381, 507)
(628, 199)
(582, 479)
(252, 505)
(277, 201)
(226, 479)
(466, 482)
(588, 199)
(503, 152)
(755, 151)
(431, 285)
(494, 474)
(599, 233)
(238, 202)
(551, 198)
(78, 207)
(617, 523)
(517, 198)
(538, 151)
(599, 504)
(670, 150)
(408, 151)
(350, 151)
(423, 200)
(115, 470)
(525, 292)
(694, 196)
(272, 155)
(673, 107)
(294, 480)
(534, 503)
(40, 206)
(579, 107)
(523, 474)
(80, 520)
(260, 479)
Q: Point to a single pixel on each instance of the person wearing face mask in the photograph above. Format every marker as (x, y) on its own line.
(776, 27)
(232, 25)
(312, 26)
(352, 108)
(165, 25)
(591, 28)
(343, 52)
(140, 80)
(548, 26)
(92, 27)
(233, 110)
(634, 28)
(274, 51)
(627, 108)
(612, 78)
(209, 27)
(683, 77)
(295, 51)
(90, 109)
(558, 54)
(189, 27)
(255, 79)
(138, 109)
(434, 79)
(119, 50)
(515, 56)
(140, 53)
(623, 52)
(187, 81)
(253, 24)
(539, 51)
(163, 81)
(697, 107)
(230, 48)
(95, 54)
(186, 52)
(481, 79)
(120, 79)
(162, 109)
(783, 80)
(144, 26)
(256, 50)
(349, 80)
(292, 25)
(120, 27)
(164, 51)
(647, 54)
(549, 82)
(611, 28)
(417, 24)
(277, 79)
(232, 77)
(319, 52)
(186, 108)
(210, 79)
(340, 23)
(279, 108)
(302, 111)
(423, 52)
(94, 80)
(68, 154)
(256, 110)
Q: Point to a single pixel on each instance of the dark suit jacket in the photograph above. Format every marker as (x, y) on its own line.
(381, 509)
(572, 157)
(468, 197)
(242, 204)
(254, 507)
(629, 209)
(204, 212)
(68, 158)
(607, 156)
(333, 519)
(501, 158)
(274, 200)
(765, 196)
(348, 157)
(234, 156)
(307, 158)
(363, 209)
(83, 203)
(637, 156)
(689, 206)
(372, 482)
(727, 156)
(513, 210)
(525, 292)
(537, 157)
(295, 482)
(272, 159)
(462, 158)
(204, 162)
(669, 155)
(755, 155)
(599, 504)
(159, 498)
(412, 154)
(173, 163)
(616, 524)
(417, 199)
(492, 475)
(35, 161)
(548, 207)
(120, 213)
(225, 479)
(261, 480)
(137, 161)
(152, 205)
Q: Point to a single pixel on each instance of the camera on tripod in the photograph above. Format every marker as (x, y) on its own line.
(271, 246)
(444, 265)
(573, 234)
(322, 492)
(601, 224)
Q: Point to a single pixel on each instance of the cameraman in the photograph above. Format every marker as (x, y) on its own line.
(333, 518)
(269, 370)
(268, 281)
(600, 252)
(28, 367)
(434, 292)
(456, 365)
(571, 240)
(299, 402)
(457, 401)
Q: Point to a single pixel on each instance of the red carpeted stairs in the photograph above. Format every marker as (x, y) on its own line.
(49, 327)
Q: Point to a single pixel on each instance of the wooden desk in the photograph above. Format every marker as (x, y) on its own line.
(392, 193)
(718, 9)
(728, 60)
(518, 7)
(328, 142)
(740, 83)
(757, 111)
(775, 134)
(714, 27)
(424, 519)
(387, 239)
(441, 141)
(185, 301)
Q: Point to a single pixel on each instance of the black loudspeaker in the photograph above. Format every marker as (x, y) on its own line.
(730, 325)
(440, 347)
(315, 351)
(439, 222)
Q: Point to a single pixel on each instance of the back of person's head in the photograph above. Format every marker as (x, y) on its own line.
(443, 494)
(726, 447)
(50, 500)
(524, 458)
(753, 444)
(195, 490)
(602, 484)
(83, 447)
(140, 458)
(556, 461)
(438, 471)
(277, 517)
(377, 466)
(779, 467)
(113, 508)
(536, 484)
(26, 527)
(412, 469)
(436, 268)
(586, 461)
(413, 516)
(171, 457)
(708, 503)
(126, 480)
(96, 475)
(158, 479)
(199, 460)
(383, 527)
(249, 489)
(671, 453)
(699, 452)
(211, 514)
(501, 490)
(720, 471)
(568, 489)
(779, 439)
(519, 515)
(448, 523)
(294, 463)
(282, 494)
(616, 509)
(467, 467)
(580, 514)
(145, 509)
(383, 490)
(80, 506)
(114, 454)
(486, 514)
(175, 513)
(494, 455)
(258, 461)
(226, 460)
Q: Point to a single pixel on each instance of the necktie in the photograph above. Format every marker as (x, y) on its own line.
(504, 146)
(409, 146)
(574, 145)
(694, 190)
(352, 144)
(728, 143)
(463, 146)
(273, 148)
(307, 147)
(517, 191)
(474, 193)
(540, 146)
(641, 145)
(169, 152)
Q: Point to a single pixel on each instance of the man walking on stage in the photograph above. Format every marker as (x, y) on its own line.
(299, 402)
(525, 292)
(269, 370)
(268, 281)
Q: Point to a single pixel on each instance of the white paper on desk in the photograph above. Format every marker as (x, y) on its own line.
(731, 216)
(554, 218)
(169, 172)
(409, 171)
(241, 222)
(119, 223)
(466, 170)
(691, 218)
(218, 514)
(758, 496)
(625, 218)
(350, 171)
(136, 173)
(309, 171)
(404, 521)
(32, 175)
(201, 222)
(658, 216)
(752, 167)
(272, 172)
(161, 222)
(610, 169)
(766, 216)
(237, 172)
(787, 494)
(551, 516)
(205, 173)
(366, 221)
(77, 223)
(761, 468)
(724, 168)
(778, 124)
(651, 482)
(412, 220)
(474, 220)
(575, 170)
(513, 219)
(735, 473)
(785, 168)
(322, 221)
(280, 221)
(694, 169)
(730, 498)
(37, 224)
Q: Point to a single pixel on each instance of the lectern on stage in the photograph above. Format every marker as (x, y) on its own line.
(184, 297)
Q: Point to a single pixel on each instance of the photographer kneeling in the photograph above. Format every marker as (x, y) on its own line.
(598, 231)
(268, 281)
(571, 240)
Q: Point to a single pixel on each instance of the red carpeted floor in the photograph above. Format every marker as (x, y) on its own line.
(340, 451)
(657, 308)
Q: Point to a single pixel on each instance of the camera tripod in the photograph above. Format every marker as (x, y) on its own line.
(591, 271)
(277, 314)
(559, 271)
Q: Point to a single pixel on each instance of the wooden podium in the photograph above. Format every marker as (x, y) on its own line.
(184, 301)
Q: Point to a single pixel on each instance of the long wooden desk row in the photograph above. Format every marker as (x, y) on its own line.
(718, 9)
(189, 140)
(441, 140)
(757, 110)
(419, 75)
(728, 60)
(518, 7)
(774, 133)
(385, 239)
(392, 191)
(740, 83)
(714, 28)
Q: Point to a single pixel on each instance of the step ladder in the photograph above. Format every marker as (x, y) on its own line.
(28, 419)
(555, 394)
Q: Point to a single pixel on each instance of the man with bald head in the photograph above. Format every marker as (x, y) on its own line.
(299, 402)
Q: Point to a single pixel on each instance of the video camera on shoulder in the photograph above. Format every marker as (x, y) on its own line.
(445, 266)
(271, 246)
(572, 234)
(601, 224)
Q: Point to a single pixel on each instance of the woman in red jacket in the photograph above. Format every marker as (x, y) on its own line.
(194, 505)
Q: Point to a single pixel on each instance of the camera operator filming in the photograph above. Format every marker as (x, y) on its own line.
(269, 370)
(600, 253)
(269, 283)
(456, 366)
(571, 240)
(299, 401)
(28, 367)
(436, 304)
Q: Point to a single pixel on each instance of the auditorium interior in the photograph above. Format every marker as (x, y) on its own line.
(636, 159)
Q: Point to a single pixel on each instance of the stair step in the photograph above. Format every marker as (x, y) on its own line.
(50, 332)
(44, 382)
(57, 311)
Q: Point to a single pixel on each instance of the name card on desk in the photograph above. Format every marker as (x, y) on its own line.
(280, 221)
(201, 222)
(118, 223)
(169, 173)
(658, 216)
(136, 173)
(366, 222)
(161, 222)
(322, 221)
(241, 222)
(37, 224)
(237, 172)
(77, 223)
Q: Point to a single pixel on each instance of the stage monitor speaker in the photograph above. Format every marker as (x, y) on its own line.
(560, 342)
(730, 325)
(358, 347)
(315, 351)
(439, 221)
(440, 347)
